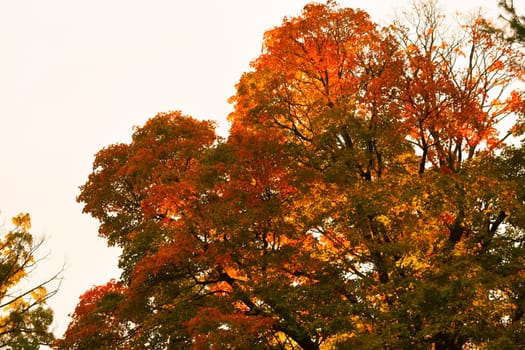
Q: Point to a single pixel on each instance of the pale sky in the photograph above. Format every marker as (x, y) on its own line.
(76, 76)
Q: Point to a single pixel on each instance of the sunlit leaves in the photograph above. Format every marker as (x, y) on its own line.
(452, 87)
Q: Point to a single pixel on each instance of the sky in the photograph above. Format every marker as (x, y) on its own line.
(76, 76)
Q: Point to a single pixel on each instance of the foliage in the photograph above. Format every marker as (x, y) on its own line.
(100, 329)
(365, 198)
(24, 317)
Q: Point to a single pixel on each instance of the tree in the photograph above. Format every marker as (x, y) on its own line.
(515, 21)
(24, 317)
(365, 198)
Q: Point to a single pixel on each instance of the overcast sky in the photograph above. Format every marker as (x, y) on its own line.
(76, 76)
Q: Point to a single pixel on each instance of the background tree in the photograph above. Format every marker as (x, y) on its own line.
(24, 317)
(515, 21)
(365, 198)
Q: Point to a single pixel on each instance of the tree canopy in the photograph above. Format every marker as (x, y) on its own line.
(367, 197)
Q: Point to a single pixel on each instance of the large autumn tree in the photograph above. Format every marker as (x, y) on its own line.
(365, 198)
(25, 318)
